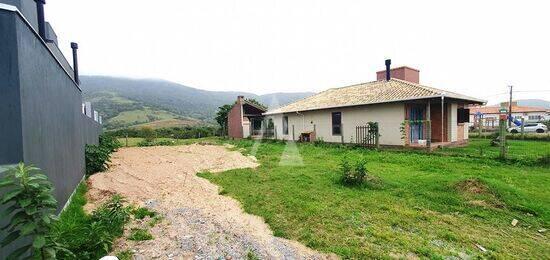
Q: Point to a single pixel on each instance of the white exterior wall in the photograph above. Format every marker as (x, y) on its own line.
(466, 132)
(452, 121)
(389, 117)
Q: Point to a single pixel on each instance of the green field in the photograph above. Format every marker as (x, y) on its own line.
(141, 116)
(414, 205)
(132, 142)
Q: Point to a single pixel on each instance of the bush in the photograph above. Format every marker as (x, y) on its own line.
(353, 174)
(145, 143)
(544, 160)
(32, 207)
(90, 236)
(165, 143)
(138, 234)
(141, 213)
(149, 134)
(98, 156)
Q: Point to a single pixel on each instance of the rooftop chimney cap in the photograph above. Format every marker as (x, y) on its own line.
(388, 69)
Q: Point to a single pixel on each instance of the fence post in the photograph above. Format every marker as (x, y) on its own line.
(502, 125)
(522, 128)
(377, 137)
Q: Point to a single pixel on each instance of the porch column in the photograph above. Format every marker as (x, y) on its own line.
(429, 125)
(442, 118)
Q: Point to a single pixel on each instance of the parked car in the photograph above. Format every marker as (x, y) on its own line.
(529, 128)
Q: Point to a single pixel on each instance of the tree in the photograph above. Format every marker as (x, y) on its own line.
(221, 115)
(256, 102)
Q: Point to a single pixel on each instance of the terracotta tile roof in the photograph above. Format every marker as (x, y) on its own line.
(374, 92)
(515, 109)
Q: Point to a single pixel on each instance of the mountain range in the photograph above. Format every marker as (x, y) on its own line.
(127, 102)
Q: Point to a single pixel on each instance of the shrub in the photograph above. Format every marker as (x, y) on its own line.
(109, 142)
(98, 156)
(32, 207)
(353, 174)
(96, 159)
(319, 142)
(165, 143)
(544, 160)
(141, 213)
(145, 143)
(91, 236)
(149, 134)
(138, 234)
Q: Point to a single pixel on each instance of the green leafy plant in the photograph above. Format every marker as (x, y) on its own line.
(141, 213)
(90, 236)
(125, 255)
(165, 143)
(98, 156)
(145, 143)
(149, 134)
(32, 206)
(138, 234)
(353, 174)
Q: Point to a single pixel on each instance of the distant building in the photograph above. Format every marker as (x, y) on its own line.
(490, 114)
(397, 101)
(245, 119)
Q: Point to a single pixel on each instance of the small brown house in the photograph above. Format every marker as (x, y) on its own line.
(245, 119)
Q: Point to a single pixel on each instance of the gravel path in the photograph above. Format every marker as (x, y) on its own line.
(198, 222)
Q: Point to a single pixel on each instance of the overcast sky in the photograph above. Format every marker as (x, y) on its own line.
(476, 48)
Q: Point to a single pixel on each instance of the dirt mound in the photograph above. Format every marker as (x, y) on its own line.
(472, 186)
(478, 194)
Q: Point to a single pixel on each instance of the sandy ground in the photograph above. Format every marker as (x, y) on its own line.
(198, 222)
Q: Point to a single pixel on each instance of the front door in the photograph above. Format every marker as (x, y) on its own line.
(416, 123)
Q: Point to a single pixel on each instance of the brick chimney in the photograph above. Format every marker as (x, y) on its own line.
(404, 73)
(240, 100)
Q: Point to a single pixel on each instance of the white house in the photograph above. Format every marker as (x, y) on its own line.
(407, 113)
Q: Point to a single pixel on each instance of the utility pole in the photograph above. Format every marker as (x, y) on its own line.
(510, 108)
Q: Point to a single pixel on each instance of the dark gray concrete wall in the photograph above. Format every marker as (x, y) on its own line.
(27, 8)
(90, 130)
(11, 139)
(51, 114)
(41, 120)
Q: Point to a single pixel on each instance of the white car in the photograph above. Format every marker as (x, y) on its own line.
(529, 128)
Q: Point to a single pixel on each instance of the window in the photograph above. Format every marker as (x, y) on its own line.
(336, 123)
(285, 125)
(463, 115)
(537, 117)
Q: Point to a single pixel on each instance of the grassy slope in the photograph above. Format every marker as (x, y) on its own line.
(416, 209)
(141, 115)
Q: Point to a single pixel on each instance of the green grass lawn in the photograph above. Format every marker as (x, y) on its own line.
(517, 149)
(428, 205)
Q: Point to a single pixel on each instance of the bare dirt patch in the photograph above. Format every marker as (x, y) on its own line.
(198, 222)
(478, 194)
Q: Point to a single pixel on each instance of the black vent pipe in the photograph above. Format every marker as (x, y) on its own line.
(41, 19)
(74, 46)
(388, 69)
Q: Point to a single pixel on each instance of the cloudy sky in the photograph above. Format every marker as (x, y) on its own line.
(473, 47)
